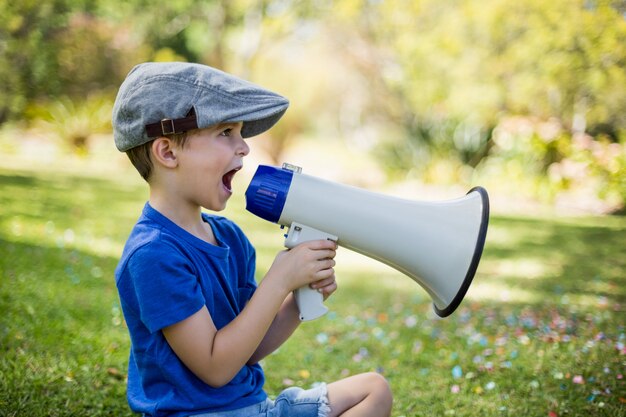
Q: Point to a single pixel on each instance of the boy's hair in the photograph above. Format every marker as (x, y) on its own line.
(140, 156)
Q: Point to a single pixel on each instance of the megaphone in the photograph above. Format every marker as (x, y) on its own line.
(437, 244)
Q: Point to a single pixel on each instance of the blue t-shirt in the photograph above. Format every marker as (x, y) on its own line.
(164, 276)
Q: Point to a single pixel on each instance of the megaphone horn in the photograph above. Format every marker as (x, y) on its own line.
(437, 244)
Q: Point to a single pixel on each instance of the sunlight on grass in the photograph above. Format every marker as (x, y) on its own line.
(520, 268)
(46, 234)
(541, 328)
(500, 236)
(501, 293)
(524, 268)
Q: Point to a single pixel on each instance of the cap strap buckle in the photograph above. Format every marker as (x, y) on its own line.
(172, 126)
(167, 127)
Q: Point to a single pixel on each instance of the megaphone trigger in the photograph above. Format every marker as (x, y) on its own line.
(299, 233)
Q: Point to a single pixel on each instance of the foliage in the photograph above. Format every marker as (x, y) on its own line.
(74, 122)
(54, 48)
(541, 331)
(26, 59)
(418, 82)
(459, 72)
(605, 160)
(478, 60)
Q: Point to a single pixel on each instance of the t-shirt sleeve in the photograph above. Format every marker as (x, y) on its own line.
(165, 285)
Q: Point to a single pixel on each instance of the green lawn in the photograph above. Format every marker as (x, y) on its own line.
(541, 332)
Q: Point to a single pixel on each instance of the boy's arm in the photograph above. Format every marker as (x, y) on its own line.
(287, 320)
(217, 356)
(283, 326)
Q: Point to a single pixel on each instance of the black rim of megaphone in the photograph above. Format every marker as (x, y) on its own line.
(478, 251)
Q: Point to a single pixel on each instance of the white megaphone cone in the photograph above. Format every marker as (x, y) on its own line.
(437, 244)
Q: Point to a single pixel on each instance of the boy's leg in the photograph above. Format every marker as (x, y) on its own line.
(363, 395)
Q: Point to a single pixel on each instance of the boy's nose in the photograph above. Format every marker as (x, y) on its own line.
(243, 149)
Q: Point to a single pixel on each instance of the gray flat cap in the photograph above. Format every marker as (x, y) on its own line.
(158, 99)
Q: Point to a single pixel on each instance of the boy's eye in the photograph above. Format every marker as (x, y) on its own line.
(226, 132)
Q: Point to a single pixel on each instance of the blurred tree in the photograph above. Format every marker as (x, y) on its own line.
(52, 48)
(92, 55)
(71, 123)
(455, 68)
(428, 79)
(192, 29)
(27, 57)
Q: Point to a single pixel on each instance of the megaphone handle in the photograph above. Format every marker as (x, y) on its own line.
(310, 302)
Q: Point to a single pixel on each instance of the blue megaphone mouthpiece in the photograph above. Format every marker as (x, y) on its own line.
(267, 192)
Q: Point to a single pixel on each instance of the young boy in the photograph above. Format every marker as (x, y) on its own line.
(198, 323)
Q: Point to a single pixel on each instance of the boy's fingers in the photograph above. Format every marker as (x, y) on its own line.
(327, 290)
(325, 282)
(321, 244)
(327, 254)
(325, 274)
(319, 253)
(326, 263)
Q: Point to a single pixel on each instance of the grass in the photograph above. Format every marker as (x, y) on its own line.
(541, 332)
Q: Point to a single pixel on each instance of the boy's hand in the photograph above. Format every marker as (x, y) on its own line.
(309, 263)
(325, 286)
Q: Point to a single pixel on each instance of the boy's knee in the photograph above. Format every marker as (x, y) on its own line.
(379, 387)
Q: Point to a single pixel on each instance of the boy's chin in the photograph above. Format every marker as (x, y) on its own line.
(217, 206)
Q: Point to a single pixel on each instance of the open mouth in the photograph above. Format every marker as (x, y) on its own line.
(227, 179)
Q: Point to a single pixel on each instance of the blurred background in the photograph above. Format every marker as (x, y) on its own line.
(421, 99)
(526, 98)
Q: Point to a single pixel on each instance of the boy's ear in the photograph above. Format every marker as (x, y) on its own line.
(164, 152)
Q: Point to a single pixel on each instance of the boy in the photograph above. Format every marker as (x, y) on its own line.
(198, 323)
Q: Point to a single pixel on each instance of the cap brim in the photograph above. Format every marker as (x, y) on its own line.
(256, 127)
